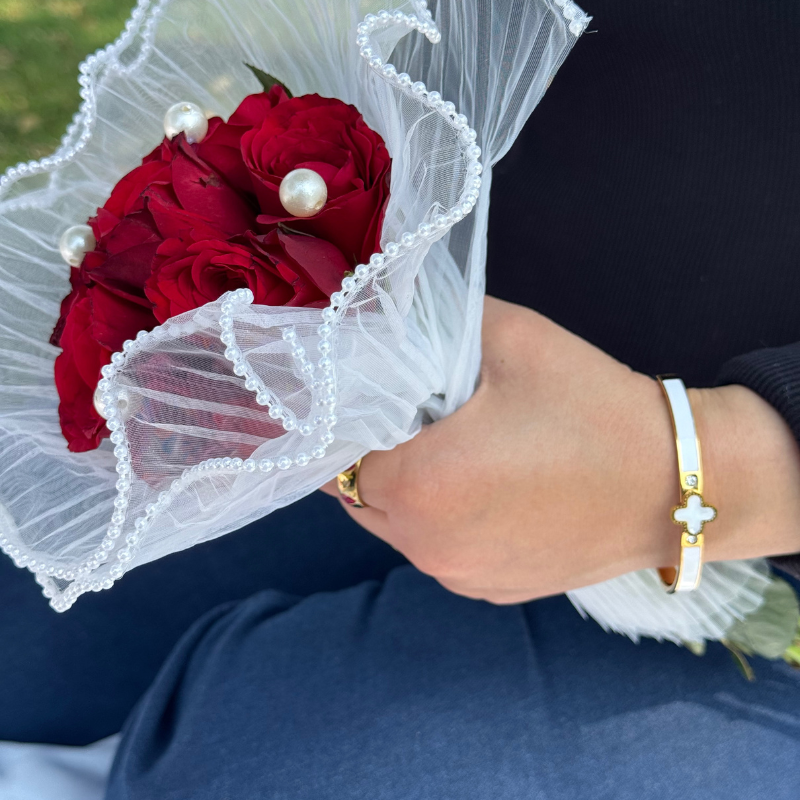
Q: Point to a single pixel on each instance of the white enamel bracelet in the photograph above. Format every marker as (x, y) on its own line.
(693, 513)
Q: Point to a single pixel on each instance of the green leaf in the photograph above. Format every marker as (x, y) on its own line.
(698, 648)
(739, 659)
(771, 628)
(792, 656)
(267, 80)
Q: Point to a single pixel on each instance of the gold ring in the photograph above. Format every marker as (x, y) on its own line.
(347, 483)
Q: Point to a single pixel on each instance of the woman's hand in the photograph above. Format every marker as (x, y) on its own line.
(561, 472)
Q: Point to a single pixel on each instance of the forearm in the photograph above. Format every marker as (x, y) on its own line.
(561, 472)
(752, 464)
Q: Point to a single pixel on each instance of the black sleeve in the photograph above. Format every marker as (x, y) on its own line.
(773, 373)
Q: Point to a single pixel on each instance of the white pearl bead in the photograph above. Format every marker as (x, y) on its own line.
(99, 405)
(303, 193)
(186, 118)
(75, 243)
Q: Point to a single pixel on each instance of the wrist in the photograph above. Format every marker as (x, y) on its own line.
(752, 474)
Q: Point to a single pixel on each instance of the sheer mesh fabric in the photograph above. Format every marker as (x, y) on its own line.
(406, 341)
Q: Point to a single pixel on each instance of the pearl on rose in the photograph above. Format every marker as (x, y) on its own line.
(75, 243)
(126, 405)
(303, 192)
(186, 118)
(99, 405)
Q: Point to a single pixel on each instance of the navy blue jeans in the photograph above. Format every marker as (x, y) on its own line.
(397, 689)
(73, 678)
(353, 676)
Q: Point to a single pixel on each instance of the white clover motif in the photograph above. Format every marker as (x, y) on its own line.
(693, 514)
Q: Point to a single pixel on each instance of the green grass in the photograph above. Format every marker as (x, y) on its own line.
(41, 44)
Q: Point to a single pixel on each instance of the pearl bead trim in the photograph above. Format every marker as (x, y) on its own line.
(319, 378)
(575, 15)
(142, 22)
(143, 19)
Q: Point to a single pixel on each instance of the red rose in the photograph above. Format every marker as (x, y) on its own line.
(221, 147)
(331, 138)
(281, 269)
(196, 220)
(173, 193)
(77, 372)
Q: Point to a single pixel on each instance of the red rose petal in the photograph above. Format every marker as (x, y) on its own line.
(126, 196)
(322, 263)
(77, 371)
(115, 319)
(201, 191)
(255, 107)
(125, 273)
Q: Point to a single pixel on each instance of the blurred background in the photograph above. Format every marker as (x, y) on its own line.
(41, 44)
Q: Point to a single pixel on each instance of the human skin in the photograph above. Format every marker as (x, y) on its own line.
(561, 472)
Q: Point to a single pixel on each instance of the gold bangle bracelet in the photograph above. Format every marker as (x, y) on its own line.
(692, 514)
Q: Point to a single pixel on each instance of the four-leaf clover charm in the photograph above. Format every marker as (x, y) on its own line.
(693, 514)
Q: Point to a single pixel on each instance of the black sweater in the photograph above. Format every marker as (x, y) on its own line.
(651, 204)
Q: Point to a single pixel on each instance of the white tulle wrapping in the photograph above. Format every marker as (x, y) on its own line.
(637, 605)
(406, 346)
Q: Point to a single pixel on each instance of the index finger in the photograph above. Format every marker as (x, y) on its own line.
(373, 479)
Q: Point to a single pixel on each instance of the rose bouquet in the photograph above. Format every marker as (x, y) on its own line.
(202, 216)
(283, 284)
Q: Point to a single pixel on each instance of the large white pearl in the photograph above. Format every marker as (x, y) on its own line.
(186, 118)
(126, 405)
(75, 243)
(303, 193)
(99, 406)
